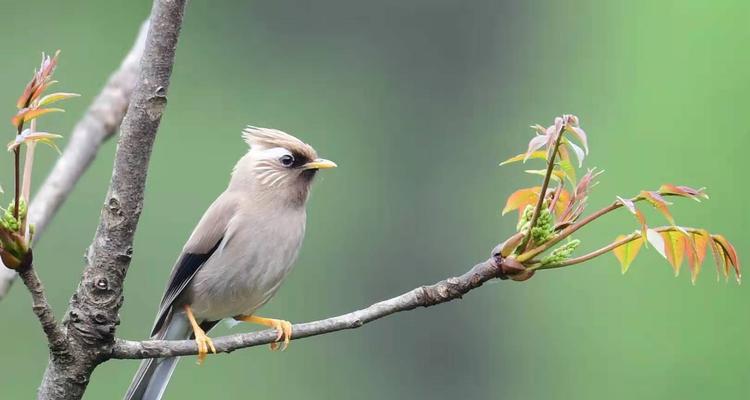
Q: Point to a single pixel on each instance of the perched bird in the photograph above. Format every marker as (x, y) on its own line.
(239, 253)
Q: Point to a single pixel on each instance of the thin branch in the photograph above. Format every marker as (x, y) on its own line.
(567, 232)
(545, 184)
(593, 254)
(43, 311)
(425, 296)
(99, 123)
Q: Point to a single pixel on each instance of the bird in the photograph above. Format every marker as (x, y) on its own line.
(239, 253)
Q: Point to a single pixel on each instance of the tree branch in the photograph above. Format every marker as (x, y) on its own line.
(42, 309)
(93, 314)
(425, 296)
(99, 123)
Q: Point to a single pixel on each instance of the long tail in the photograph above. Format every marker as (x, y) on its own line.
(153, 375)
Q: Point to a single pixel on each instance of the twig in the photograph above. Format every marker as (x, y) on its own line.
(425, 296)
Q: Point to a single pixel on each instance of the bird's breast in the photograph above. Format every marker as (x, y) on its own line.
(248, 266)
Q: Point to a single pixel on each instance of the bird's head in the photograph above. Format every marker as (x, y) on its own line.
(278, 165)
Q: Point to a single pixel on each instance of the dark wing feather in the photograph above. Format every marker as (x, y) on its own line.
(184, 271)
(203, 243)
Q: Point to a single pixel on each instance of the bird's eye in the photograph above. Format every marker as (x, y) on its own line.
(286, 160)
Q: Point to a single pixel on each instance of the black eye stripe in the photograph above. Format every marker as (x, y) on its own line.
(293, 161)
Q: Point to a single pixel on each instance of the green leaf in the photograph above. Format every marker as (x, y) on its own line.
(570, 172)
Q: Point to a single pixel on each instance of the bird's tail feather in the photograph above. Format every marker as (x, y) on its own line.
(153, 375)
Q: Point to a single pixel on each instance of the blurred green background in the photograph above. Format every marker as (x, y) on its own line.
(418, 101)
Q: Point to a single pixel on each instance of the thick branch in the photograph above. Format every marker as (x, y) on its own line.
(425, 296)
(93, 315)
(99, 123)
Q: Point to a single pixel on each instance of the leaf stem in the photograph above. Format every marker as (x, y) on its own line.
(28, 164)
(593, 254)
(545, 184)
(17, 173)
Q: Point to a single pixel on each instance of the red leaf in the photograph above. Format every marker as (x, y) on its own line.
(659, 203)
(730, 256)
(684, 191)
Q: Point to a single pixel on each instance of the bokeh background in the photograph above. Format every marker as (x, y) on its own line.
(418, 101)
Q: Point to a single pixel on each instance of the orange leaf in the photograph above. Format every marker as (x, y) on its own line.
(674, 247)
(562, 202)
(27, 114)
(627, 252)
(696, 252)
(530, 196)
(520, 199)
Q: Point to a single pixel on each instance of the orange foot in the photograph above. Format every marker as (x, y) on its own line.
(201, 339)
(283, 328)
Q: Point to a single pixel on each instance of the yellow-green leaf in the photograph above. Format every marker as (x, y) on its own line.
(569, 170)
(557, 175)
(520, 157)
(51, 98)
(627, 252)
(674, 247)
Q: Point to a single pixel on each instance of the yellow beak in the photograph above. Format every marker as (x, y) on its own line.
(320, 163)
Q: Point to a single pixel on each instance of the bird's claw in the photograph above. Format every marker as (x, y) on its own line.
(283, 330)
(204, 344)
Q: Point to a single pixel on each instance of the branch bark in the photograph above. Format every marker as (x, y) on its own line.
(43, 311)
(425, 296)
(93, 314)
(99, 123)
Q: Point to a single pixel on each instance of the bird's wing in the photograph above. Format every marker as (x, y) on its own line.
(203, 242)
